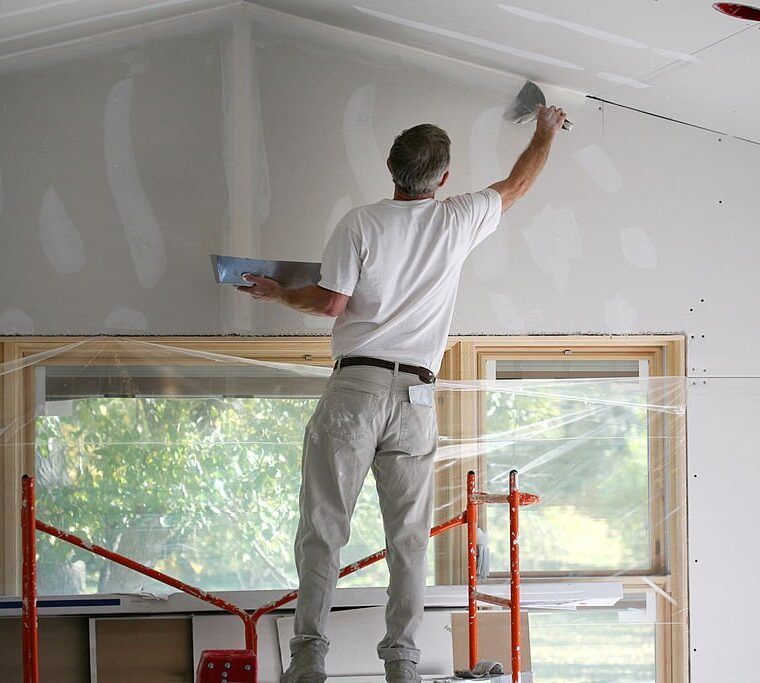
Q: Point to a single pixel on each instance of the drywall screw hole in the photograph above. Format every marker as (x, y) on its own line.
(702, 300)
(695, 476)
(695, 561)
(691, 310)
(692, 336)
(720, 201)
(703, 336)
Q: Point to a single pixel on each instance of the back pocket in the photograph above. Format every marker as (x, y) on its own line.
(346, 413)
(418, 434)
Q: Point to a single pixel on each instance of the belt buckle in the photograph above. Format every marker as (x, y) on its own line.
(426, 375)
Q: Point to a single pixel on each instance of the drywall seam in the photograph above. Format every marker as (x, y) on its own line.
(245, 167)
(90, 20)
(253, 9)
(680, 59)
(471, 40)
(138, 30)
(672, 120)
(146, 244)
(589, 31)
(36, 8)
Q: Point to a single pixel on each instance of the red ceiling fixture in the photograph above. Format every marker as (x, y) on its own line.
(738, 11)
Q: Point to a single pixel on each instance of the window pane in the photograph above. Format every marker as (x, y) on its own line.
(596, 646)
(589, 463)
(203, 488)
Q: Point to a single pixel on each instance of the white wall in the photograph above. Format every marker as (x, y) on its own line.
(121, 171)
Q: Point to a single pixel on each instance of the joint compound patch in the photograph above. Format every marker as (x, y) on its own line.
(619, 315)
(15, 321)
(503, 309)
(638, 248)
(123, 318)
(622, 80)
(146, 244)
(554, 239)
(599, 168)
(490, 256)
(340, 209)
(60, 240)
(485, 164)
(362, 151)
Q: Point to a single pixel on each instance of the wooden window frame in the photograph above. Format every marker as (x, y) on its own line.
(465, 358)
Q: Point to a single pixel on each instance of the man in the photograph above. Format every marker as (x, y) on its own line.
(389, 276)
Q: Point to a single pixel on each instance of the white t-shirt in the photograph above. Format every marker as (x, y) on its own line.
(400, 261)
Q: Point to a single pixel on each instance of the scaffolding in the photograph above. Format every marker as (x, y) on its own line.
(240, 666)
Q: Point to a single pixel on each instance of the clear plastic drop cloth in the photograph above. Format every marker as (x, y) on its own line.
(189, 462)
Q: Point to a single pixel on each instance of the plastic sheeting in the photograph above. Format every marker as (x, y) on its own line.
(189, 462)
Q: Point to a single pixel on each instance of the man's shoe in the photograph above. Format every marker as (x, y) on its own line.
(307, 665)
(401, 670)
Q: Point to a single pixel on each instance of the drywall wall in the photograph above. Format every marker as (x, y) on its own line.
(120, 171)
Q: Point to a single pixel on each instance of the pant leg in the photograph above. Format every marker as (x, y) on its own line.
(403, 469)
(339, 446)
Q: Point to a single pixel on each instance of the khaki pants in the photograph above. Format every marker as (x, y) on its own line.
(365, 419)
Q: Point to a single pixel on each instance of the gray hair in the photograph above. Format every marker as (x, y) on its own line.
(418, 159)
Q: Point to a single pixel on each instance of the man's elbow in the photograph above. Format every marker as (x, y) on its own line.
(334, 306)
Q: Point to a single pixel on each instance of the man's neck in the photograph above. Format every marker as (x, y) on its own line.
(400, 196)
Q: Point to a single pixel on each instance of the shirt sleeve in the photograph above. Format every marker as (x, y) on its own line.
(341, 260)
(479, 214)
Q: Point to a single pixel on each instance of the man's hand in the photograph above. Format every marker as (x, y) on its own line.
(311, 299)
(261, 288)
(549, 119)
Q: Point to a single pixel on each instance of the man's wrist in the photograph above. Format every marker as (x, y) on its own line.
(545, 133)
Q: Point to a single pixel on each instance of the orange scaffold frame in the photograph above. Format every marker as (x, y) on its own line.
(516, 499)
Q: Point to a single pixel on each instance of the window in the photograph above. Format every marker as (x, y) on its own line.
(185, 454)
(610, 473)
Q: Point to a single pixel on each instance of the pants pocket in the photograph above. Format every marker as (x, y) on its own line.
(346, 413)
(418, 433)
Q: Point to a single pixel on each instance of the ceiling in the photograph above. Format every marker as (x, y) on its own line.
(674, 58)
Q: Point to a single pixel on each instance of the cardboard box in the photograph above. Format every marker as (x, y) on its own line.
(494, 639)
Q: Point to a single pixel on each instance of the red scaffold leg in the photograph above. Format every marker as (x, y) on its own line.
(514, 573)
(472, 569)
(29, 583)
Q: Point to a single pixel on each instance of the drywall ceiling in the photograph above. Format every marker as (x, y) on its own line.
(674, 58)
(30, 25)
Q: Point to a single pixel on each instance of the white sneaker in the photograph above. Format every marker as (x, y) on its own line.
(401, 670)
(307, 665)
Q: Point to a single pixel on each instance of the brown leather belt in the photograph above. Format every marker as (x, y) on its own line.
(424, 374)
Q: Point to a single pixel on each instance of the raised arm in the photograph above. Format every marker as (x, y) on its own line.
(530, 163)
